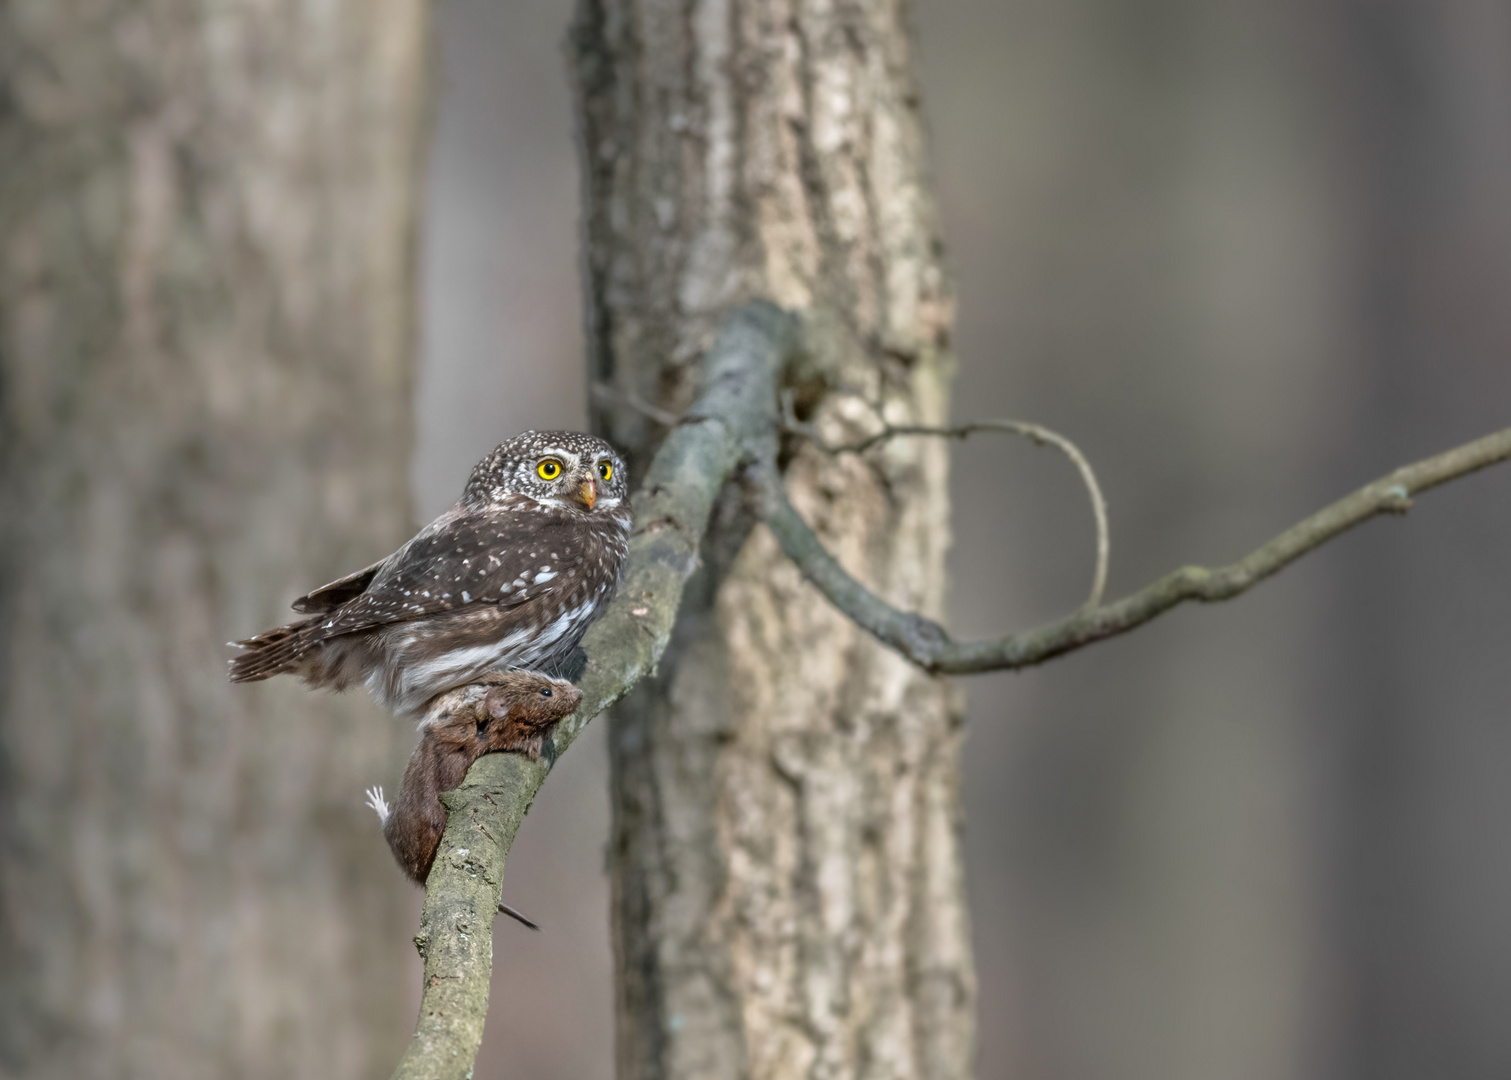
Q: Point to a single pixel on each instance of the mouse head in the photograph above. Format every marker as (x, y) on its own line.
(529, 699)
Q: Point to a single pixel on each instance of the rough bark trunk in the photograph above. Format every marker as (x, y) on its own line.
(206, 219)
(785, 856)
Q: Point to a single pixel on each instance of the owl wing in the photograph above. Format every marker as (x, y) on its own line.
(506, 556)
(329, 597)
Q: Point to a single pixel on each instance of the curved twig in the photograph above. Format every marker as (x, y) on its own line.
(928, 645)
(1037, 434)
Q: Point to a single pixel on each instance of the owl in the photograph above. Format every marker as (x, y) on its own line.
(510, 577)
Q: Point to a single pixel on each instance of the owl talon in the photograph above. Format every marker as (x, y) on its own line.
(545, 749)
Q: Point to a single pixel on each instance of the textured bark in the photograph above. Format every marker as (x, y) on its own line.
(206, 218)
(785, 855)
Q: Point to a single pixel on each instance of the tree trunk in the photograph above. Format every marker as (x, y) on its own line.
(787, 883)
(206, 233)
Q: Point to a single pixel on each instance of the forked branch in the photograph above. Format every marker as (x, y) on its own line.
(734, 424)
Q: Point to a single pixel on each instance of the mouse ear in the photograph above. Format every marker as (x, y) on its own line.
(497, 704)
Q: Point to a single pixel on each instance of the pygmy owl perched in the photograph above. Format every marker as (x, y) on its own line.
(509, 577)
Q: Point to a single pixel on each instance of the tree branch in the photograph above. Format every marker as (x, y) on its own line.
(927, 644)
(732, 419)
(733, 423)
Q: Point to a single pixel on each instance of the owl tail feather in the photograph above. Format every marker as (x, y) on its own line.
(276, 652)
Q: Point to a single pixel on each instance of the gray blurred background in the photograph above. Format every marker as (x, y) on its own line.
(1249, 255)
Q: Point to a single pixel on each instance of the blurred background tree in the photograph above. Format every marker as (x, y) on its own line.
(1248, 254)
(207, 225)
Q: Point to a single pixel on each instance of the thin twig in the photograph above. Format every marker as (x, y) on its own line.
(612, 396)
(928, 645)
(1034, 433)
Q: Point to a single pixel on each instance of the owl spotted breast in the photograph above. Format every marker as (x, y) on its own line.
(511, 576)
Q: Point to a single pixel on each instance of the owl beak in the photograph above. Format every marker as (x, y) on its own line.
(587, 493)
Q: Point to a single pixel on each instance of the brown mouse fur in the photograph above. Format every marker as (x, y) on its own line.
(513, 710)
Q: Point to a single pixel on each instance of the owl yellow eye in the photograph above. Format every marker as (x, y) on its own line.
(605, 470)
(549, 469)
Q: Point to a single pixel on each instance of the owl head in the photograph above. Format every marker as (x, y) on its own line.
(567, 470)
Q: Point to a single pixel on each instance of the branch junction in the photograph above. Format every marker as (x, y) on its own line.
(731, 430)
